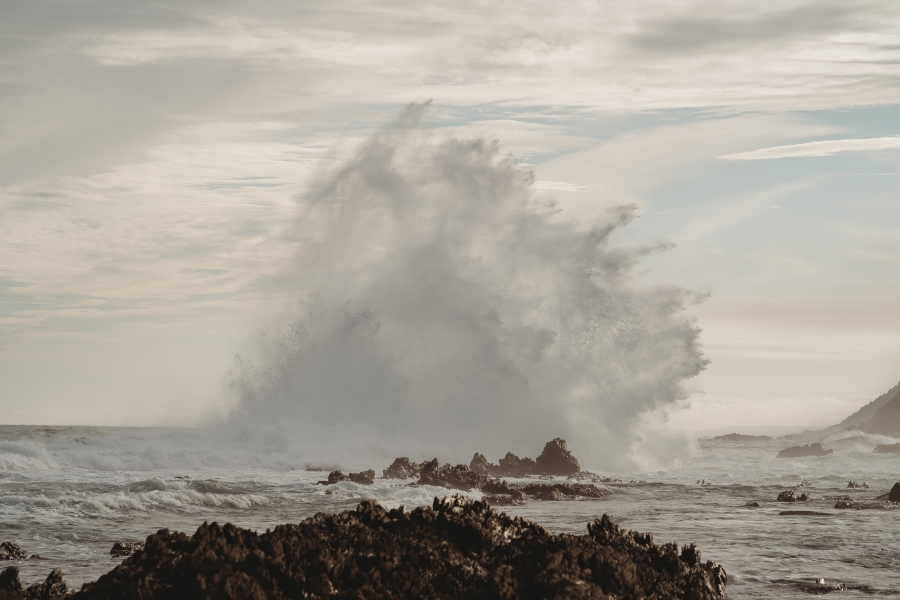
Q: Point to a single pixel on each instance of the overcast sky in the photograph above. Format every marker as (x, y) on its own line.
(152, 155)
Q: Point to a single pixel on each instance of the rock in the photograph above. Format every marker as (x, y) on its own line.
(786, 496)
(502, 500)
(52, 587)
(810, 513)
(843, 504)
(513, 466)
(402, 468)
(540, 490)
(894, 495)
(11, 551)
(125, 548)
(815, 449)
(740, 437)
(556, 459)
(887, 449)
(363, 478)
(752, 505)
(36, 556)
(459, 477)
(593, 477)
(456, 548)
(551, 494)
(480, 465)
(858, 486)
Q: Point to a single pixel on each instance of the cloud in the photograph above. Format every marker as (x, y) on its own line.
(820, 148)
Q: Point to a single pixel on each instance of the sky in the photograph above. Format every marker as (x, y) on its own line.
(153, 156)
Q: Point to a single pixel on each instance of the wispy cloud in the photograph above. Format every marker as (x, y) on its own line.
(820, 148)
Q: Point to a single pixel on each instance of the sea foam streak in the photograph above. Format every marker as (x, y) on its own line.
(446, 308)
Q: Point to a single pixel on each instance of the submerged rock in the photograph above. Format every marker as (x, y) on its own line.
(752, 505)
(887, 449)
(402, 468)
(855, 485)
(11, 551)
(125, 548)
(556, 459)
(740, 437)
(457, 548)
(815, 449)
(542, 491)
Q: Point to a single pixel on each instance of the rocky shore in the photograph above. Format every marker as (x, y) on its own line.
(457, 548)
(815, 449)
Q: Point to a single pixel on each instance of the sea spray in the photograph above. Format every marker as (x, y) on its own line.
(447, 308)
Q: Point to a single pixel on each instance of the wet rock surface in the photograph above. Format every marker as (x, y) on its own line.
(513, 466)
(740, 437)
(894, 494)
(457, 548)
(790, 496)
(125, 548)
(857, 485)
(363, 478)
(887, 449)
(11, 551)
(562, 491)
(815, 449)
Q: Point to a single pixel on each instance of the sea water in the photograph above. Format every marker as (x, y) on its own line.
(69, 493)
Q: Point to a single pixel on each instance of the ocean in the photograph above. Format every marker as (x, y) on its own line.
(69, 493)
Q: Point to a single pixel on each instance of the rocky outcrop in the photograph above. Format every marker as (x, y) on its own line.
(513, 466)
(463, 478)
(402, 468)
(894, 494)
(125, 548)
(362, 478)
(887, 449)
(457, 548)
(557, 460)
(480, 465)
(11, 551)
(815, 449)
(790, 496)
(740, 437)
(858, 485)
(562, 491)
(52, 587)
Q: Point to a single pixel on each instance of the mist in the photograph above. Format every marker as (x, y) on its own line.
(445, 307)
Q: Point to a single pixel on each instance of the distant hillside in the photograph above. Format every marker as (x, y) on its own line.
(867, 413)
(887, 420)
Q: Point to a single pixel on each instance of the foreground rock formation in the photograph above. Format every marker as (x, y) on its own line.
(815, 449)
(455, 549)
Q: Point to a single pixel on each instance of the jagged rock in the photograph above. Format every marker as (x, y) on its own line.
(752, 505)
(858, 486)
(363, 477)
(894, 494)
(456, 548)
(551, 494)
(556, 459)
(593, 477)
(844, 504)
(125, 548)
(815, 449)
(887, 449)
(787, 496)
(52, 587)
(463, 478)
(402, 468)
(502, 500)
(11, 551)
(480, 465)
(542, 490)
(513, 466)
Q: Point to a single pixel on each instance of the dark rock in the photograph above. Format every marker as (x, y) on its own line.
(513, 466)
(894, 495)
(551, 494)
(35, 556)
(480, 465)
(787, 496)
(858, 486)
(459, 477)
(540, 490)
(402, 468)
(844, 504)
(125, 548)
(740, 437)
(11, 551)
(752, 505)
(363, 477)
(815, 449)
(593, 477)
(52, 587)
(810, 513)
(556, 459)
(502, 500)
(9, 581)
(455, 549)
(887, 449)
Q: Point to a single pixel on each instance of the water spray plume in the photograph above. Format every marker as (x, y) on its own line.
(447, 308)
